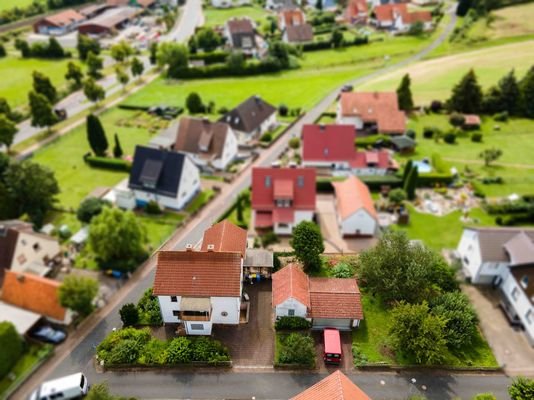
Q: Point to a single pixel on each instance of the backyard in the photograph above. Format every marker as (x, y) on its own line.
(218, 16)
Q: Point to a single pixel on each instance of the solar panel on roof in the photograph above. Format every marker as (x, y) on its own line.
(151, 172)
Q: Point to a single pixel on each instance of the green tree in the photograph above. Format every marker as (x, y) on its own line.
(54, 49)
(87, 45)
(137, 67)
(179, 351)
(416, 29)
(173, 56)
(93, 91)
(397, 196)
(407, 170)
(153, 53)
(23, 47)
(527, 93)
(418, 334)
(307, 242)
(337, 38)
(89, 208)
(236, 62)
(294, 143)
(42, 114)
(122, 76)
(129, 314)
(32, 189)
(410, 184)
(490, 155)
(2, 51)
(77, 293)
(461, 325)
(319, 5)
(280, 52)
(96, 135)
(121, 51)
(207, 39)
(75, 74)
(463, 7)
(298, 349)
(404, 94)
(117, 237)
(467, 95)
(94, 65)
(42, 85)
(396, 270)
(194, 103)
(149, 308)
(11, 345)
(4, 107)
(521, 389)
(342, 270)
(510, 93)
(485, 396)
(8, 130)
(117, 149)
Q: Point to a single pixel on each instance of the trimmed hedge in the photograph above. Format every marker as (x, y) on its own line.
(369, 141)
(374, 182)
(133, 107)
(327, 44)
(210, 58)
(292, 323)
(223, 70)
(11, 346)
(114, 164)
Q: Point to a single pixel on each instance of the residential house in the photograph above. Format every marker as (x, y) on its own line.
(326, 302)
(282, 198)
(197, 289)
(58, 24)
(277, 5)
(396, 17)
(373, 111)
(241, 35)
(356, 12)
(503, 258)
(230, 3)
(290, 17)
(333, 146)
(24, 250)
(35, 294)
(251, 119)
(171, 179)
(335, 386)
(135, 3)
(293, 25)
(356, 213)
(209, 144)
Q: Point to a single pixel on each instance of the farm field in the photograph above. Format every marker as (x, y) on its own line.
(219, 16)
(434, 79)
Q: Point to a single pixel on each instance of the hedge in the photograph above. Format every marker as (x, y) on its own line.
(374, 182)
(223, 70)
(114, 164)
(431, 179)
(210, 58)
(515, 207)
(133, 107)
(296, 348)
(369, 141)
(11, 346)
(292, 323)
(327, 44)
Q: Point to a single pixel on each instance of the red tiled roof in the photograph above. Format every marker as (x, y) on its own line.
(195, 273)
(336, 386)
(283, 215)
(240, 25)
(64, 18)
(381, 159)
(418, 16)
(291, 282)
(471, 119)
(386, 12)
(226, 237)
(375, 107)
(352, 195)
(264, 180)
(328, 142)
(335, 298)
(292, 17)
(355, 8)
(33, 293)
(283, 189)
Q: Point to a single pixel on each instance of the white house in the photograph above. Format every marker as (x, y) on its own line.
(396, 17)
(209, 144)
(326, 302)
(504, 258)
(169, 178)
(356, 214)
(276, 5)
(197, 289)
(230, 3)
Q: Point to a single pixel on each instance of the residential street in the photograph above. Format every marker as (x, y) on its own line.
(76, 354)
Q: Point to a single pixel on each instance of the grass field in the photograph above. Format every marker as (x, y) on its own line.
(8, 4)
(17, 73)
(218, 16)
(505, 22)
(433, 79)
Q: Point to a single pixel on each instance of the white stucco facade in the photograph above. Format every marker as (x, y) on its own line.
(229, 152)
(33, 248)
(291, 308)
(521, 304)
(348, 120)
(360, 223)
(267, 125)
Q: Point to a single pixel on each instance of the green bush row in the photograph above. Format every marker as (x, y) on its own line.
(292, 323)
(115, 164)
(222, 70)
(296, 348)
(210, 58)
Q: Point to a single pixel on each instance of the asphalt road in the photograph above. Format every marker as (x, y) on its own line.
(77, 353)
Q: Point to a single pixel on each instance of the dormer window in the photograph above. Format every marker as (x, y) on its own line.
(524, 281)
(300, 181)
(325, 151)
(267, 181)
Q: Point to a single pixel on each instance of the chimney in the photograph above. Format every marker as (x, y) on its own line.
(275, 164)
(257, 98)
(293, 164)
(211, 247)
(322, 127)
(188, 247)
(20, 278)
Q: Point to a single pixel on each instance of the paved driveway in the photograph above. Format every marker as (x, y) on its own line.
(509, 344)
(252, 344)
(346, 347)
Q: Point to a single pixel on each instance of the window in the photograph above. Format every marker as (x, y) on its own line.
(197, 327)
(224, 314)
(82, 382)
(524, 281)
(36, 247)
(267, 181)
(515, 293)
(300, 181)
(174, 299)
(23, 242)
(291, 313)
(528, 316)
(176, 313)
(466, 260)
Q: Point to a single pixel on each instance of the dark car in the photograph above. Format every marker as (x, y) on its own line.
(48, 334)
(347, 88)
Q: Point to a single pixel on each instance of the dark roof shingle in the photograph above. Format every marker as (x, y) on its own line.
(249, 115)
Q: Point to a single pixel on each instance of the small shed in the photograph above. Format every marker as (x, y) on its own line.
(471, 121)
(403, 144)
(258, 262)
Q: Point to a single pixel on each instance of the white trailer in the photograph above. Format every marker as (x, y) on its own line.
(68, 387)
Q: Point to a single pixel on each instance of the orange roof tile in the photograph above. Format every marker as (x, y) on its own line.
(335, 298)
(293, 17)
(33, 293)
(471, 119)
(352, 195)
(64, 18)
(226, 237)
(336, 386)
(290, 282)
(195, 273)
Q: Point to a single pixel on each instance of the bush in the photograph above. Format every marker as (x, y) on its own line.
(251, 68)
(501, 117)
(213, 57)
(450, 138)
(266, 137)
(283, 110)
(476, 137)
(179, 351)
(429, 132)
(292, 323)
(114, 164)
(153, 352)
(297, 349)
(477, 190)
(89, 208)
(490, 180)
(112, 350)
(521, 389)
(294, 143)
(411, 133)
(12, 347)
(208, 350)
(456, 119)
(485, 396)
(268, 238)
(152, 207)
(129, 314)
(342, 270)
(436, 106)
(149, 310)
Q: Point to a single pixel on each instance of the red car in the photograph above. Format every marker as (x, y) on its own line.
(332, 346)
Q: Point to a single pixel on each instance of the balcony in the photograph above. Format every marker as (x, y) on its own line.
(195, 316)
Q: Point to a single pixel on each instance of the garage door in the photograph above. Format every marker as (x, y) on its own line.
(341, 324)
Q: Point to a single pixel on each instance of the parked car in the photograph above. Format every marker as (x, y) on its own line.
(332, 346)
(48, 334)
(68, 387)
(347, 88)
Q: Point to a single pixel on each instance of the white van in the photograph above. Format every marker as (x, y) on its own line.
(69, 387)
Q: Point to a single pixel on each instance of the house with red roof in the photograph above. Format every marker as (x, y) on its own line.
(356, 12)
(326, 302)
(282, 198)
(333, 146)
(59, 24)
(356, 213)
(293, 25)
(335, 386)
(375, 111)
(396, 17)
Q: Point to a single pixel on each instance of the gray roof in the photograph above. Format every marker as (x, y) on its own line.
(403, 142)
(258, 258)
(23, 320)
(299, 33)
(504, 244)
(520, 248)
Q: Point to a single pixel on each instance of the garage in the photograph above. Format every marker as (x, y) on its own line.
(338, 323)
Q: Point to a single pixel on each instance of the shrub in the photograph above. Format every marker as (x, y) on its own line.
(112, 351)
(294, 143)
(153, 352)
(179, 351)
(283, 110)
(521, 389)
(485, 396)
(501, 117)
(450, 138)
(12, 346)
(269, 238)
(149, 309)
(152, 207)
(114, 164)
(410, 133)
(206, 349)
(292, 323)
(456, 119)
(129, 314)
(266, 137)
(477, 190)
(342, 270)
(297, 349)
(89, 208)
(436, 106)
(476, 137)
(125, 352)
(213, 57)
(428, 132)
(489, 180)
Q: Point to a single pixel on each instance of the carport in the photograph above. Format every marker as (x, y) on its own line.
(23, 320)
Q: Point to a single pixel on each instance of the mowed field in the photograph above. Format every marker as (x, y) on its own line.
(434, 79)
(7, 4)
(506, 22)
(215, 16)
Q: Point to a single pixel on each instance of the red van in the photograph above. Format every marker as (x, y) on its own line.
(332, 346)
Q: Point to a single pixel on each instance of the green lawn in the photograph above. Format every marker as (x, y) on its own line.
(247, 212)
(17, 76)
(8, 4)
(160, 227)
(515, 138)
(199, 201)
(371, 338)
(218, 16)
